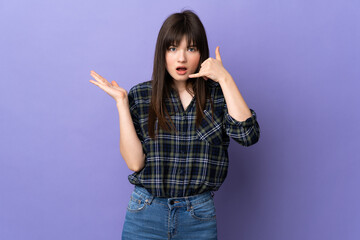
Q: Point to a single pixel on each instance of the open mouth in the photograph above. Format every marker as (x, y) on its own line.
(181, 70)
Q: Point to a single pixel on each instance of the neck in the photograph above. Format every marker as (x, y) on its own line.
(181, 86)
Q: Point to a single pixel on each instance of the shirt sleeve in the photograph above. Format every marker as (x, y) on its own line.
(134, 113)
(245, 132)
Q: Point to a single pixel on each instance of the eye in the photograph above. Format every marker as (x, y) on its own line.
(172, 49)
(192, 49)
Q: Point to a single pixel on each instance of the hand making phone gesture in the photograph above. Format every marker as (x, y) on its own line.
(113, 89)
(212, 68)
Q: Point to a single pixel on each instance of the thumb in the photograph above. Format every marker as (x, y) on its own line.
(114, 84)
(217, 53)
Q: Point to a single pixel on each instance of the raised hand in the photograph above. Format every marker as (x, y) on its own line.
(113, 89)
(212, 68)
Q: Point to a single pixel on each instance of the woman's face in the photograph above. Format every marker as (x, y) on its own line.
(182, 60)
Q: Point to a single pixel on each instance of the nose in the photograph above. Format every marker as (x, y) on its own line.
(181, 56)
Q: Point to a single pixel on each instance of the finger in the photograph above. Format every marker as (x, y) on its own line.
(94, 82)
(114, 84)
(98, 77)
(205, 61)
(217, 53)
(95, 75)
(195, 75)
(100, 85)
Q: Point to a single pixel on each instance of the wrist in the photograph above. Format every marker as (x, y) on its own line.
(121, 102)
(225, 79)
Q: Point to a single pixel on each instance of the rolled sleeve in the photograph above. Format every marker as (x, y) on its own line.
(245, 132)
(134, 114)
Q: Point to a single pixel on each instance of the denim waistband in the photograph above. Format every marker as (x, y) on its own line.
(189, 200)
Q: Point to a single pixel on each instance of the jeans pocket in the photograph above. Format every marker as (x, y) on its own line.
(137, 202)
(204, 211)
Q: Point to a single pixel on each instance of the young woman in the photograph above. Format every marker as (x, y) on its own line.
(174, 134)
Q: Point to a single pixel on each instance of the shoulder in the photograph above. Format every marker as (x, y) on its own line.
(141, 90)
(215, 89)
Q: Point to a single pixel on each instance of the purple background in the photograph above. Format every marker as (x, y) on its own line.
(295, 62)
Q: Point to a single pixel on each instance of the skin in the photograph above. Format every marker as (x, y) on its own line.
(181, 55)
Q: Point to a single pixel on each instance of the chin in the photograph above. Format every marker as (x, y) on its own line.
(181, 78)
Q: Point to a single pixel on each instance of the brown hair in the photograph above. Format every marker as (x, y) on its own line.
(177, 25)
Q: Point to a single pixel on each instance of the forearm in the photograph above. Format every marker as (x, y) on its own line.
(130, 145)
(236, 105)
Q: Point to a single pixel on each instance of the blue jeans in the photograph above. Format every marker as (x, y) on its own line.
(186, 218)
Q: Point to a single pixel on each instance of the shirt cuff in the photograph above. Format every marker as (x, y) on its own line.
(248, 122)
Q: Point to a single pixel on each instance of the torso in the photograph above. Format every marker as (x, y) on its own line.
(207, 142)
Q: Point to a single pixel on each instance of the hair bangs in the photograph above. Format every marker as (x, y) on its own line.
(176, 34)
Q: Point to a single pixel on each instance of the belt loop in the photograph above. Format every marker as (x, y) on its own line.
(188, 204)
(149, 200)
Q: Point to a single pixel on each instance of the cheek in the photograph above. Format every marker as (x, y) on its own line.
(167, 62)
(195, 61)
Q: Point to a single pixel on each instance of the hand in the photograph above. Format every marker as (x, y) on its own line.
(113, 89)
(212, 68)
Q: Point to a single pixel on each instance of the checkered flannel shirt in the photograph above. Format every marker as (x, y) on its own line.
(194, 160)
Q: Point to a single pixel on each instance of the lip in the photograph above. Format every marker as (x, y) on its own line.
(182, 72)
(181, 67)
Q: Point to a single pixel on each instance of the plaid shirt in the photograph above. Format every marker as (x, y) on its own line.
(194, 160)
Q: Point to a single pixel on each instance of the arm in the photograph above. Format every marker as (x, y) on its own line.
(130, 145)
(236, 104)
(240, 122)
